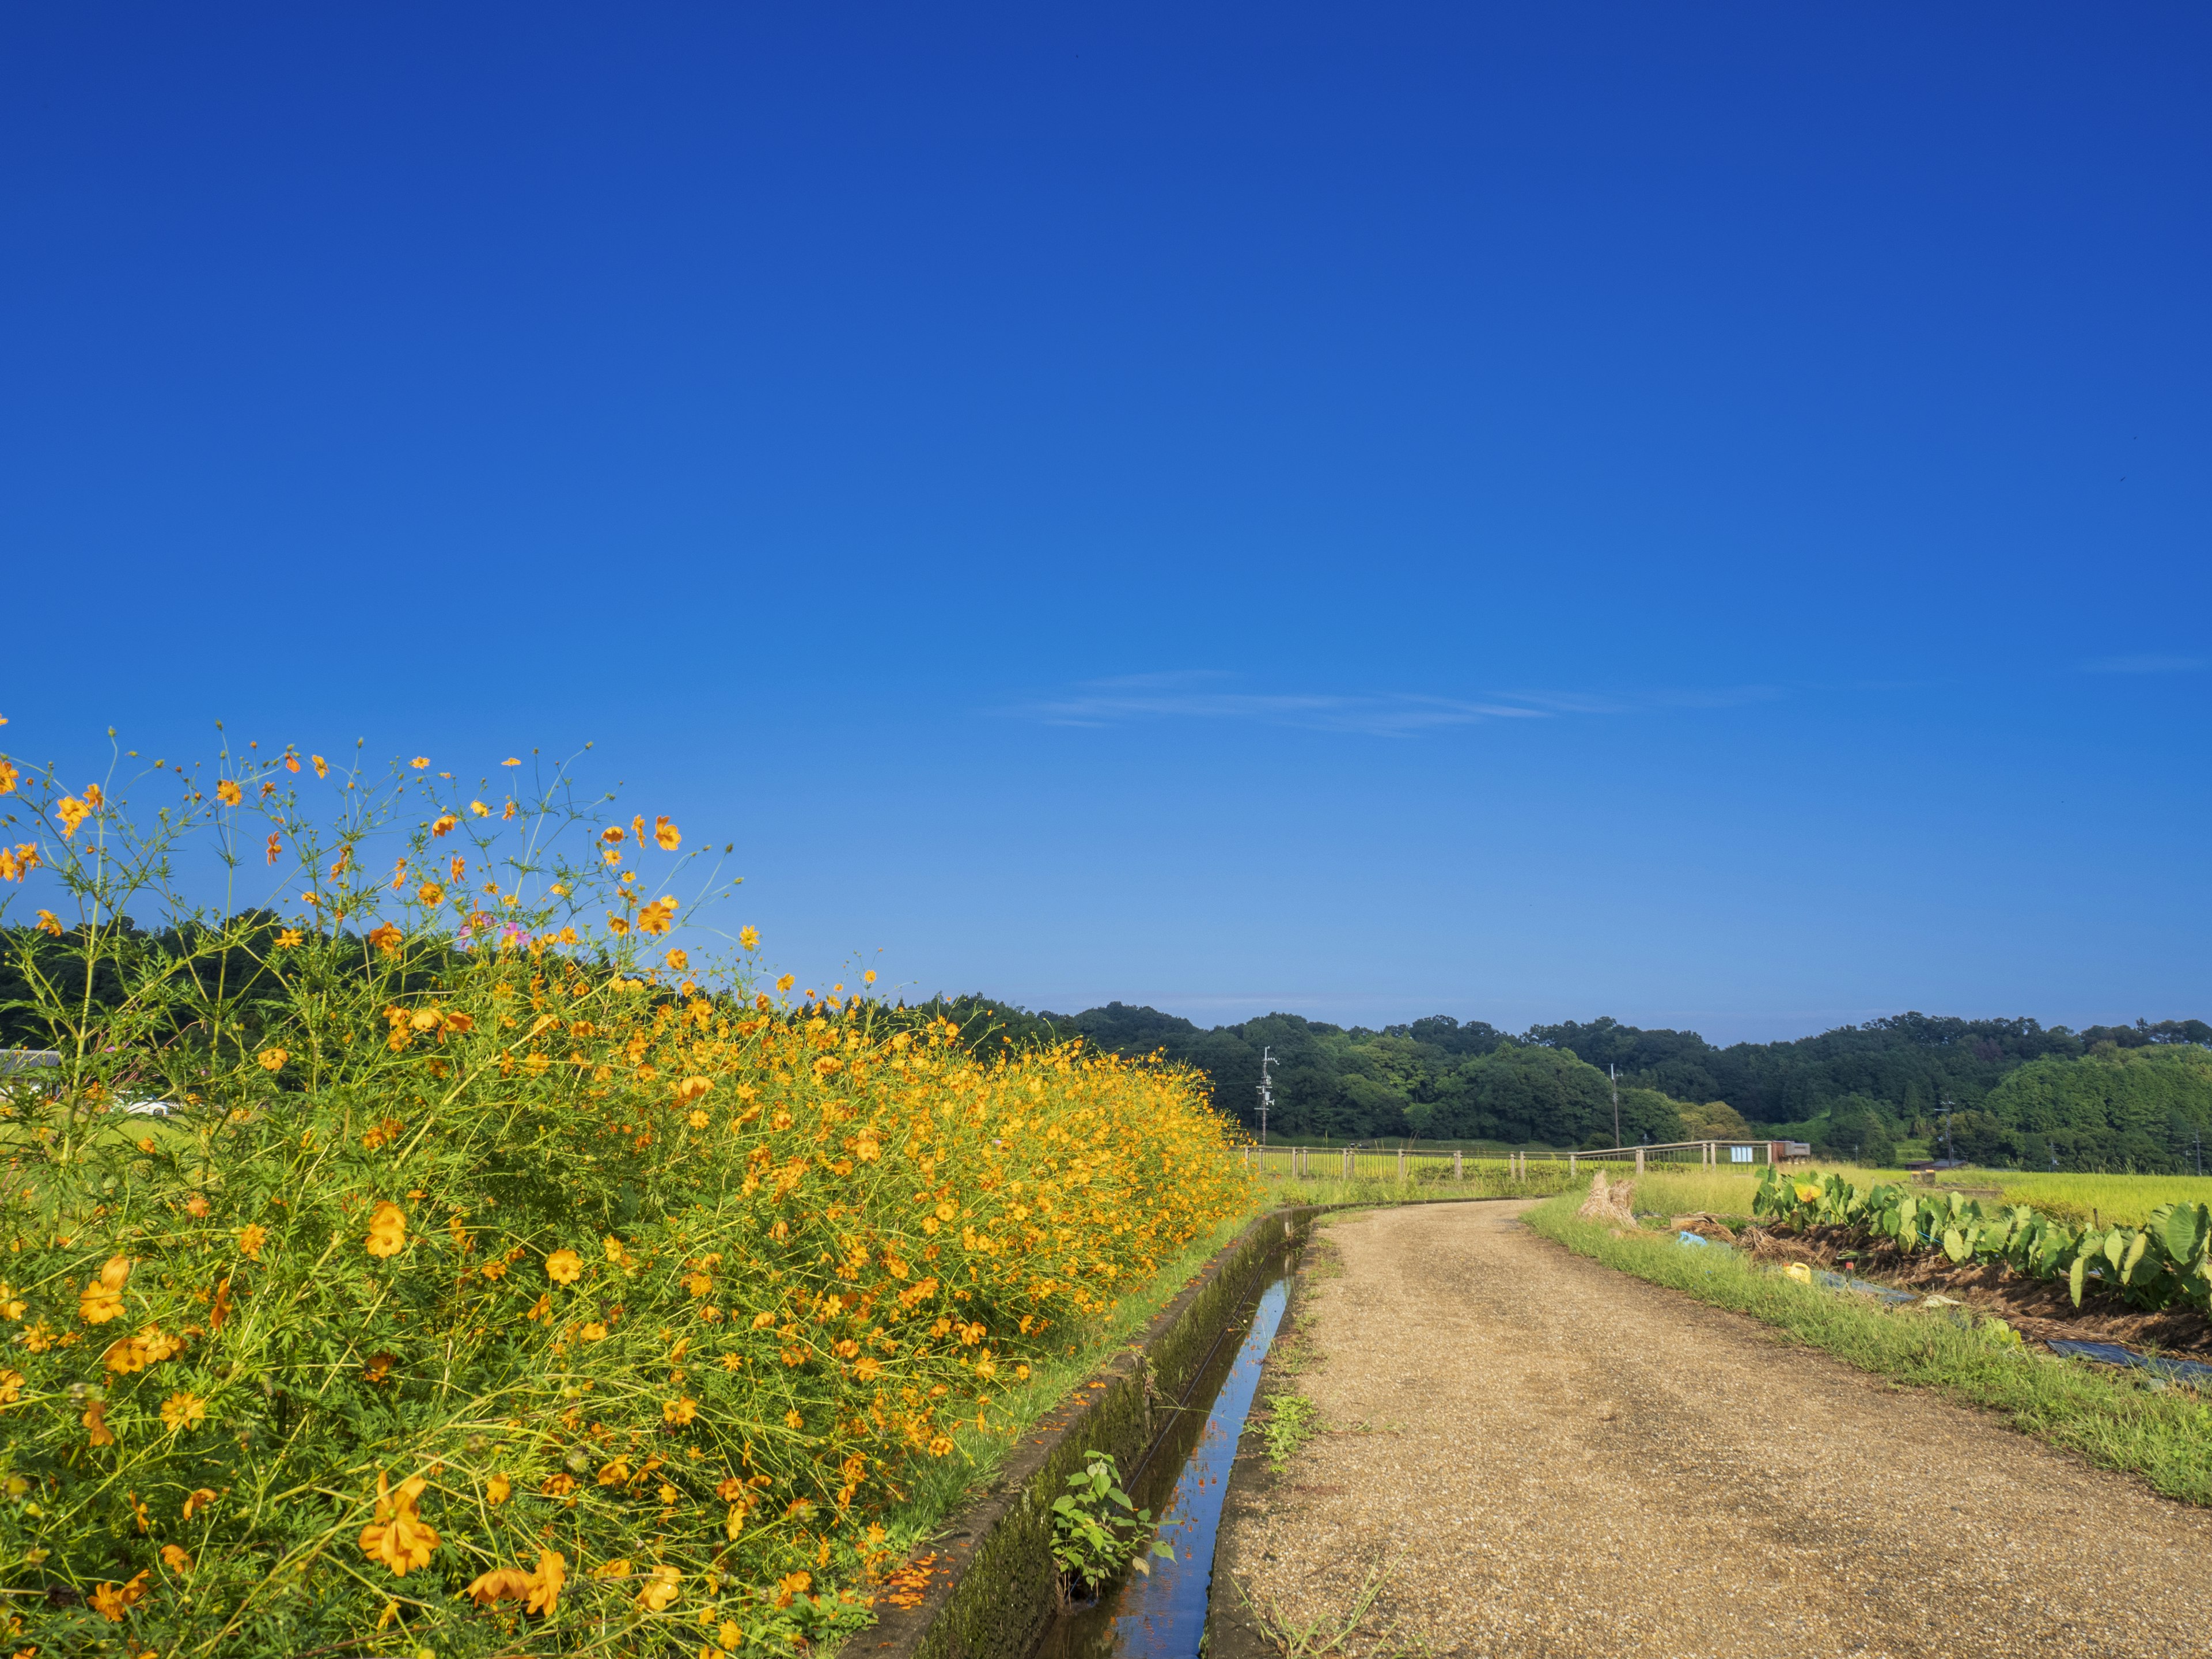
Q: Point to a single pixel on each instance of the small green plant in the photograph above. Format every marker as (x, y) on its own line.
(1292, 1420)
(1096, 1529)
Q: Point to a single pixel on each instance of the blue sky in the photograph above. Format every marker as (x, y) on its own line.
(1692, 514)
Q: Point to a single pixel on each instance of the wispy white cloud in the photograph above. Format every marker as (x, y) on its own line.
(1209, 694)
(2145, 665)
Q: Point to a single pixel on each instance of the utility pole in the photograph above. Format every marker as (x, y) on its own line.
(1615, 1076)
(1267, 1091)
(1948, 1156)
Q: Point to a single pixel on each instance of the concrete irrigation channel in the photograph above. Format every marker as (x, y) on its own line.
(1531, 1454)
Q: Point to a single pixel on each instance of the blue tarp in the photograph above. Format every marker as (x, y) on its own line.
(2191, 1371)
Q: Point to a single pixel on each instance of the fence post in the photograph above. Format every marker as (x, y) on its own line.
(1402, 1166)
(1456, 1175)
(1570, 1166)
(1639, 1160)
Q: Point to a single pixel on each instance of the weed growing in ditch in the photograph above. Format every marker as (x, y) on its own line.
(1097, 1530)
(1291, 1421)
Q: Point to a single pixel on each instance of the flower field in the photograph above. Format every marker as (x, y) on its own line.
(500, 1281)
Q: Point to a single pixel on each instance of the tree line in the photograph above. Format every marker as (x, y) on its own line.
(2018, 1092)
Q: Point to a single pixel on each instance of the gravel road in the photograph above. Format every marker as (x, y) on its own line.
(1558, 1459)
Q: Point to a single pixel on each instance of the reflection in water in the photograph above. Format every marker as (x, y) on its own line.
(1163, 1616)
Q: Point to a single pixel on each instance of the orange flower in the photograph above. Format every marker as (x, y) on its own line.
(400, 1538)
(322, 767)
(291, 761)
(545, 1590)
(679, 1411)
(95, 1422)
(657, 916)
(182, 1410)
(72, 813)
(272, 1060)
(666, 834)
(611, 834)
(445, 825)
(7, 777)
(250, 1240)
(378, 1367)
(387, 1229)
(564, 1267)
(497, 1489)
(226, 792)
(197, 1501)
(500, 1585)
(101, 1300)
(868, 978)
(429, 892)
(276, 846)
(48, 925)
(677, 960)
(616, 925)
(386, 939)
(110, 1601)
(693, 1088)
(176, 1560)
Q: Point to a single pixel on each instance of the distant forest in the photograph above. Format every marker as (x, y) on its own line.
(2110, 1097)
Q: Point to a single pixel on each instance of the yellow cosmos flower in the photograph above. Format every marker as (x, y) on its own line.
(176, 1560)
(749, 938)
(322, 767)
(101, 1300)
(420, 761)
(289, 938)
(430, 893)
(564, 1267)
(272, 1060)
(677, 960)
(667, 836)
(399, 1537)
(497, 1489)
(250, 1242)
(679, 1411)
(387, 1229)
(182, 1410)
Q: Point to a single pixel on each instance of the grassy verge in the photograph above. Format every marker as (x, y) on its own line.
(2112, 1418)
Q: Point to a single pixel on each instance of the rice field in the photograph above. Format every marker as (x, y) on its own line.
(2109, 1199)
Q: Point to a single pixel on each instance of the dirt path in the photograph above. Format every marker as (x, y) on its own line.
(1563, 1460)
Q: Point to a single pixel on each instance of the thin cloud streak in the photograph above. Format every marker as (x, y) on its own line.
(2144, 665)
(1199, 694)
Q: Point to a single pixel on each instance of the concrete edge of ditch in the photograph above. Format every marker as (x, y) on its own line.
(990, 1591)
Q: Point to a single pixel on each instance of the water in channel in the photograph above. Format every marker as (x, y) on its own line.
(1184, 1482)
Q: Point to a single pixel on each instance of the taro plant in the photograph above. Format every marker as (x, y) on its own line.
(1097, 1529)
(2166, 1261)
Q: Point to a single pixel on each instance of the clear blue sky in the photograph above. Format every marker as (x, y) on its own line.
(1695, 513)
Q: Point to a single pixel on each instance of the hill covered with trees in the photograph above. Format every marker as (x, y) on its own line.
(2111, 1098)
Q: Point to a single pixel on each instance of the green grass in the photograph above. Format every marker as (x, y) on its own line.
(2110, 1417)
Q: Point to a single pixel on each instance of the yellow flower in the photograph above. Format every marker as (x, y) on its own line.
(666, 834)
(101, 1300)
(182, 1410)
(593, 1332)
(386, 939)
(400, 1538)
(48, 924)
(693, 1088)
(322, 766)
(611, 834)
(564, 1267)
(226, 792)
(478, 808)
(72, 813)
(762, 1321)
(250, 1242)
(445, 825)
(697, 1119)
(11, 1385)
(420, 761)
(869, 977)
(94, 1420)
(616, 925)
(785, 983)
(679, 1411)
(387, 1229)
(749, 938)
(793, 1420)
(546, 1582)
(272, 1060)
(289, 938)
(512, 760)
(660, 1589)
(497, 1489)
(430, 893)
(197, 1501)
(677, 960)
(176, 1559)
(939, 1447)
(7, 777)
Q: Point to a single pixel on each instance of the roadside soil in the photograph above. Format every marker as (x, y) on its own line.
(1537, 1455)
(2037, 1308)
